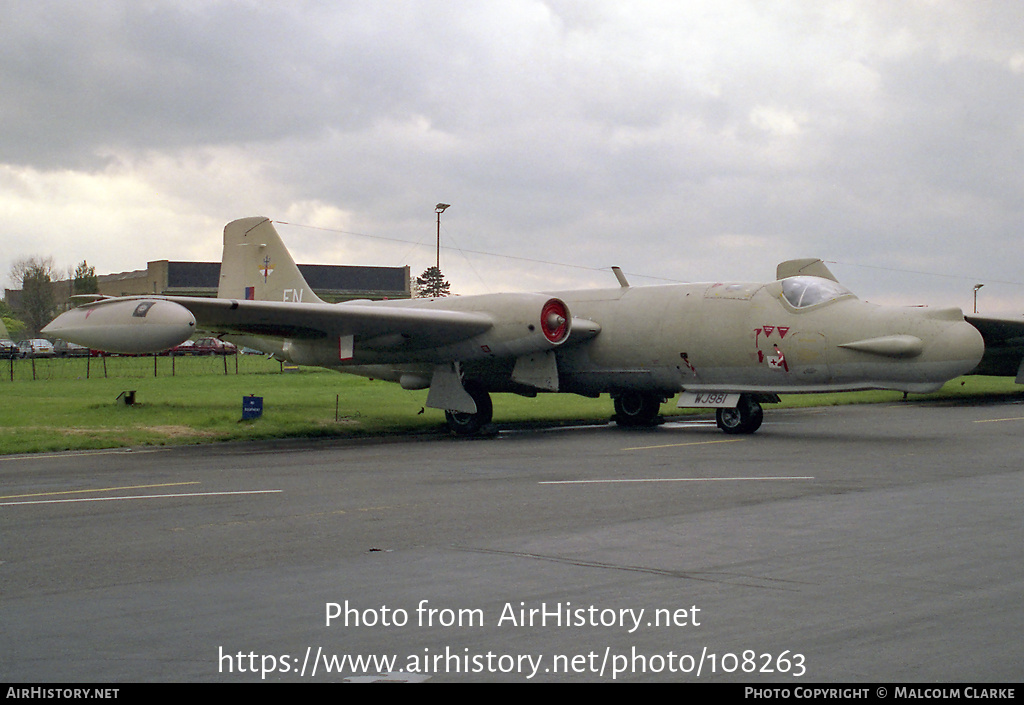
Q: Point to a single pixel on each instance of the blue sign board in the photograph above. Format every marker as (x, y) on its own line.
(252, 407)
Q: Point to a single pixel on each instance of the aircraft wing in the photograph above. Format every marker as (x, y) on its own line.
(414, 326)
(418, 326)
(1004, 346)
(498, 324)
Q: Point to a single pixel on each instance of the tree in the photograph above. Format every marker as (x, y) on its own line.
(11, 324)
(432, 284)
(85, 281)
(35, 276)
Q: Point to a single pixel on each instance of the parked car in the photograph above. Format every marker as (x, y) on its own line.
(62, 348)
(36, 347)
(214, 346)
(8, 349)
(186, 348)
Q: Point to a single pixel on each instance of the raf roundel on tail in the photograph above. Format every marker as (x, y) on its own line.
(724, 345)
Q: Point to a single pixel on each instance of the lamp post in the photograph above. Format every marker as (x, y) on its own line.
(439, 209)
(976, 287)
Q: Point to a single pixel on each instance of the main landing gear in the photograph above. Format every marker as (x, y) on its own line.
(745, 418)
(632, 409)
(637, 409)
(463, 424)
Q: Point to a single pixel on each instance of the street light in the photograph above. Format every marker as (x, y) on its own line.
(976, 287)
(439, 209)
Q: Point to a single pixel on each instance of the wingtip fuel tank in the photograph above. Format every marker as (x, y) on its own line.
(125, 325)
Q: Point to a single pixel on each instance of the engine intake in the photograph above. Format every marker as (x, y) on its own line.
(554, 321)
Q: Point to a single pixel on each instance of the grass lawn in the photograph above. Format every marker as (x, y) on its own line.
(61, 409)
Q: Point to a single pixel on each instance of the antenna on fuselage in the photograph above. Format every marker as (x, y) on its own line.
(621, 277)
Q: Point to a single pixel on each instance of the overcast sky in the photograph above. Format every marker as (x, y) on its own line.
(682, 141)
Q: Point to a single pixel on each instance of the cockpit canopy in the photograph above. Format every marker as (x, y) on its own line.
(805, 291)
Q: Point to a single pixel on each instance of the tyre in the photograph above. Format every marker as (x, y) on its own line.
(745, 418)
(637, 409)
(463, 424)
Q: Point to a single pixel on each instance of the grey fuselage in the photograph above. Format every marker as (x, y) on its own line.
(742, 337)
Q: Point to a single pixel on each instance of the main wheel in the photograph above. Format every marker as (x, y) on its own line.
(745, 418)
(463, 424)
(637, 409)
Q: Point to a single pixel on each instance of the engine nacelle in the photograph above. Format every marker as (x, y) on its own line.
(125, 325)
(523, 324)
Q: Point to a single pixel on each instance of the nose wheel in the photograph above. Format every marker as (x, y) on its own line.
(745, 418)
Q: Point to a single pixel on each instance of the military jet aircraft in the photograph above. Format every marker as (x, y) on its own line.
(724, 345)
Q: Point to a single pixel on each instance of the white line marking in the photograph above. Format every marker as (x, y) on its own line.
(141, 496)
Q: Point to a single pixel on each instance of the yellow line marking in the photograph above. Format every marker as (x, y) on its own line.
(671, 479)
(1015, 418)
(101, 489)
(694, 443)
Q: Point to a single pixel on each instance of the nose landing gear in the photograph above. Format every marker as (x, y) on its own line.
(745, 418)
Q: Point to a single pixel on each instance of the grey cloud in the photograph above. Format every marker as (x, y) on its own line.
(849, 130)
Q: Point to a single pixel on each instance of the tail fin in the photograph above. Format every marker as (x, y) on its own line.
(257, 266)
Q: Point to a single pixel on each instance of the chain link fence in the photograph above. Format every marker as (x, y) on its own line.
(136, 367)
